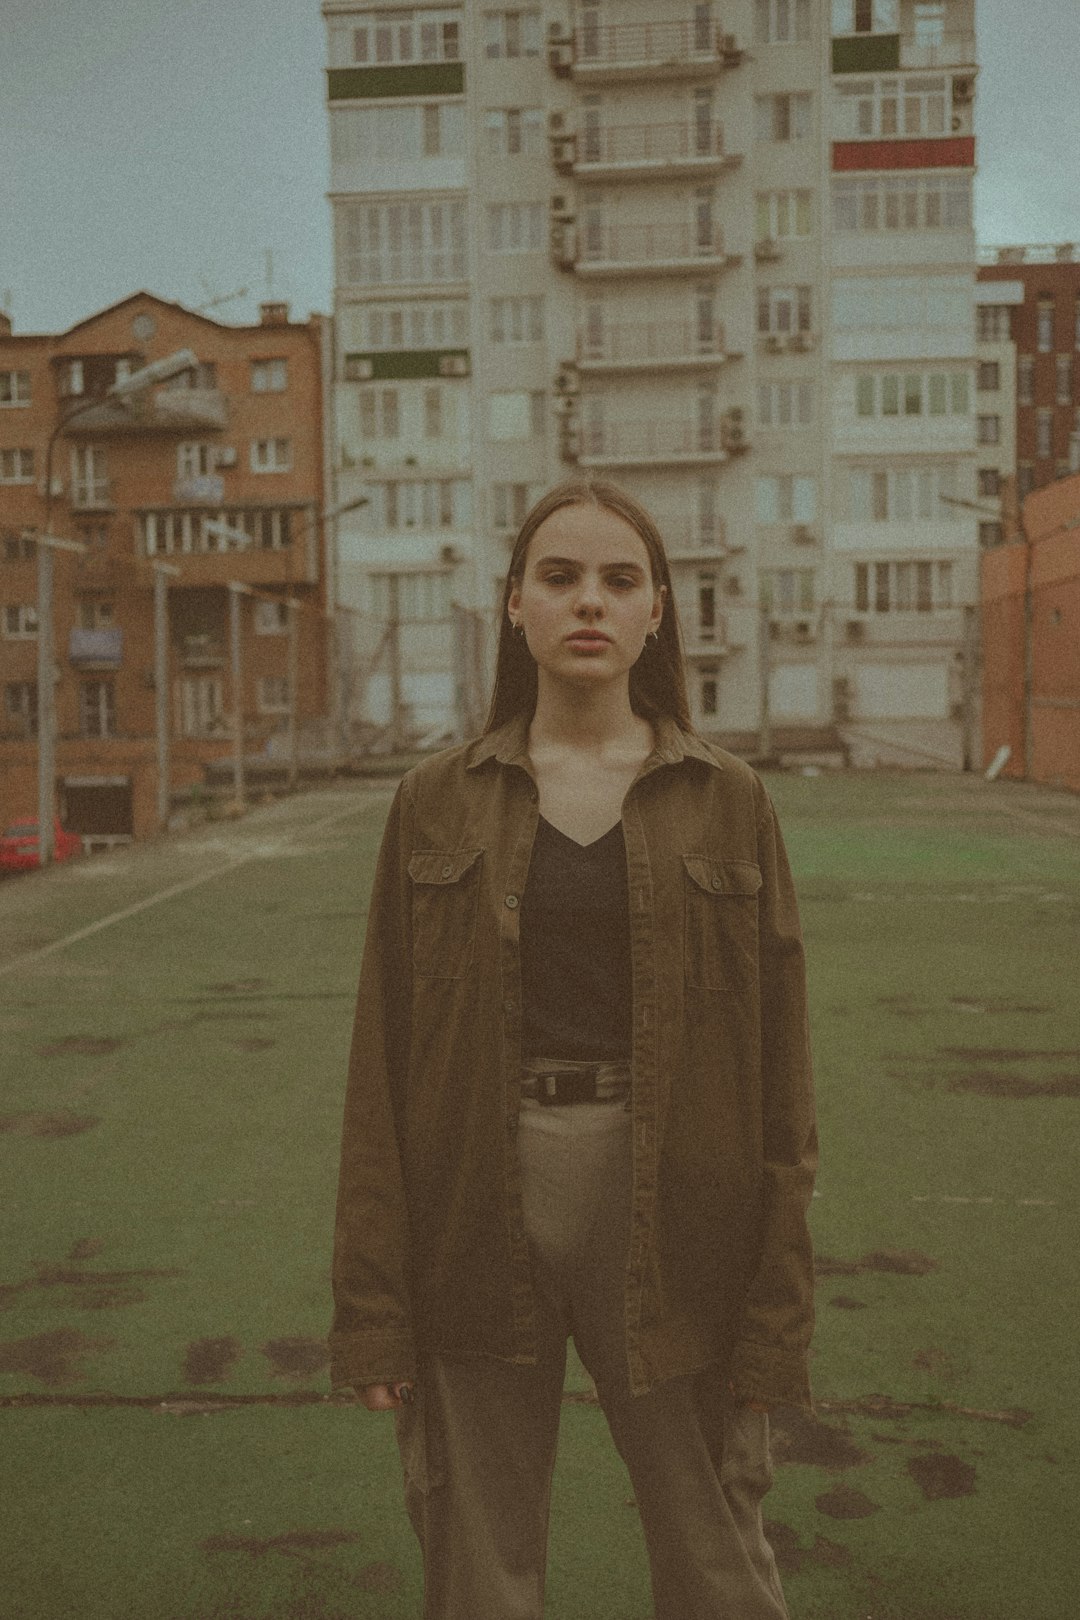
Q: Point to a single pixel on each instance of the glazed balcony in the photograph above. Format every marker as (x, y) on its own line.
(642, 152)
(624, 52)
(652, 346)
(96, 649)
(641, 250)
(655, 443)
(952, 51)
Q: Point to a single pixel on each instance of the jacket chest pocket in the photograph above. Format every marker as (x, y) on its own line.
(445, 898)
(720, 924)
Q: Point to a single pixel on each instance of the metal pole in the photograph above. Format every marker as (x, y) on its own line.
(764, 667)
(1029, 658)
(161, 693)
(46, 703)
(969, 668)
(237, 692)
(294, 667)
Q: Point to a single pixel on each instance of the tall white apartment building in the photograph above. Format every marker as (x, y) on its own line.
(721, 252)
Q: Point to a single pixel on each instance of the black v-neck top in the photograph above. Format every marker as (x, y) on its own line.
(575, 948)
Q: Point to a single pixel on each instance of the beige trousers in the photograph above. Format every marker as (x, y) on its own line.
(478, 1444)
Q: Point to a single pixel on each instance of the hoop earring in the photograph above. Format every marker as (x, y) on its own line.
(654, 637)
(519, 630)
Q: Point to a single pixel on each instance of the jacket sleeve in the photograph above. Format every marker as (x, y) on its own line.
(371, 1339)
(770, 1360)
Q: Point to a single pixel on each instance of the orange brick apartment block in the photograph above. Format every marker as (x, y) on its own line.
(1052, 523)
(239, 442)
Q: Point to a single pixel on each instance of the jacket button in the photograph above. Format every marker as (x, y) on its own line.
(717, 883)
(446, 871)
(511, 901)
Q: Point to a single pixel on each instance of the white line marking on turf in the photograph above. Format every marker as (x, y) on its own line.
(259, 852)
(952, 1198)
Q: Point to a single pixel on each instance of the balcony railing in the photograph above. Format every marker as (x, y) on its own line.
(648, 244)
(702, 539)
(167, 410)
(101, 648)
(651, 441)
(1030, 253)
(635, 145)
(645, 343)
(954, 50)
(202, 651)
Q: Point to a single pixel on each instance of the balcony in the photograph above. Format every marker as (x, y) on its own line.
(643, 250)
(642, 152)
(951, 51)
(710, 640)
(694, 539)
(624, 52)
(201, 489)
(652, 346)
(203, 651)
(664, 443)
(96, 649)
(167, 410)
(254, 565)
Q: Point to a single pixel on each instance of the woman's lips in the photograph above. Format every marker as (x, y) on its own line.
(589, 638)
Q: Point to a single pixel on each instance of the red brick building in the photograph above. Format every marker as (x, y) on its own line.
(237, 443)
(1049, 564)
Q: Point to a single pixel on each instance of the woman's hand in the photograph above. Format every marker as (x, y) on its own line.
(386, 1397)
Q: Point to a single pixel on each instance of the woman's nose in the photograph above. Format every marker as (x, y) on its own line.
(590, 598)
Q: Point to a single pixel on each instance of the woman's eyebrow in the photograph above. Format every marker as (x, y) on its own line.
(572, 562)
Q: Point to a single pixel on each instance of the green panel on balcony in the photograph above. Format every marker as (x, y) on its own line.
(386, 365)
(866, 53)
(423, 79)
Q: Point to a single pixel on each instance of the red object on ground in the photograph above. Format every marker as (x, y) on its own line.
(19, 846)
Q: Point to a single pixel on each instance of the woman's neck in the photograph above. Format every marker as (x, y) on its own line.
(566, 717)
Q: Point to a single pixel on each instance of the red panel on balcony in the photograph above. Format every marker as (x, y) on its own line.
(956, 152)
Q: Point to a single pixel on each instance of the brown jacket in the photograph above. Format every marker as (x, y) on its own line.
(430, 1252)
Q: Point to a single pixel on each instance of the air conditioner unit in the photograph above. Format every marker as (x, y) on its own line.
(802, 630)
(799, 342)
(855, 630)
(225, 455)
(560, 57)
(449, 555)
(774, 344)
(767, 250)
(963, 91)
(802, 534)
(730, 49)
(563, 152)
(562, 210)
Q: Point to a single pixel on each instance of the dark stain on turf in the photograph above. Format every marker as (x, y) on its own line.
(940, 1476)
(797, 1437)
(212, 1015)
(996, 1083)
(996, 1004)
(206, 1361)
(792, 1559)
(81, 1046)
(297, 1357)
(844, 1502)
(292, 1543)
(237, 987)
(86, 1249)
(1008, 1054)
(844, 1302)
(253, 1043)
(87, 1290)
(49, 1126)
(50, 1357)
(899, 1262)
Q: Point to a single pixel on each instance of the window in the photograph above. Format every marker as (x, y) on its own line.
(272, 694)
(1025, 480)
(434, 36)
(989, 481)
(21, 706)
(1025, 380)
(786, 592)
(902, 587)
(271, 455)
(910, 202)
(912, 393)
(709, 695)
(420, 503)
(514, 131)
(864, 17)
(72, 379)
(97, 708)
(516, 227)
(782, 118)
(779, 22)
(786, 498)
(1044, 325)
(18, 547)
(14, 388)
(991, 533)
(1044, 432)
(873, 109)
(433, 412)
(271, 618)
(269, 376)
(989, 377)
(706, 606)
(929, 22)
(20, 621)
(172, 530)
(786, 404)
(992, 323)
(1063, 373)
(510, 504)
(782, 215)
(200, 704)
(408, 326)
(517, 320)
(380, 413)
(95, 615)
(988, 430)
(403, 241)
(365, 135)
(913, 494)
(516, 416)
(194, 460)
(16, 466)
(420, 596)
(512, 33)
(782, 310)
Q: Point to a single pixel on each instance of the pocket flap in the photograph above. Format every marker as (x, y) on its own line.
(441, 865)
(723, 877)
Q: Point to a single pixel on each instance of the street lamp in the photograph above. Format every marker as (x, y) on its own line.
(146, 377)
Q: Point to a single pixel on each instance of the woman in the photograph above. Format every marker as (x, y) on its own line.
(580, 1101)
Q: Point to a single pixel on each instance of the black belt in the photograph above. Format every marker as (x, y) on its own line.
(585, 1082)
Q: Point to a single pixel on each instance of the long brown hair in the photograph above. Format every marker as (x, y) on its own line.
(658, 679)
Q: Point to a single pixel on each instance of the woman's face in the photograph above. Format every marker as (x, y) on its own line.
(586, 600)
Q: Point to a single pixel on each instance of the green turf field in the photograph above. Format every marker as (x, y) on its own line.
(168, 1136)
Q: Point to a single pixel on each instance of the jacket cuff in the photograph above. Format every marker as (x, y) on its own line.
(760, 1372)
(357, 1359)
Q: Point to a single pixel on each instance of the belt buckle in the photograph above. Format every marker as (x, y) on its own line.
(568, 1085)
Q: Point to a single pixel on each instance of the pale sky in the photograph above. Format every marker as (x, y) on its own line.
(171, 144)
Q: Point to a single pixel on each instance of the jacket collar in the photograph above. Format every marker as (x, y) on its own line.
(509, 744)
